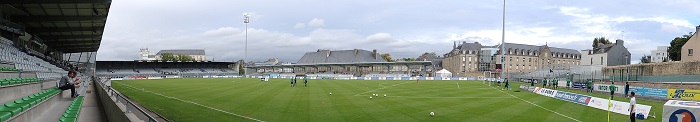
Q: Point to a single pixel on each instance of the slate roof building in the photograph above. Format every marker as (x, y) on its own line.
(607, 55)
(473, 59)
(340, 56)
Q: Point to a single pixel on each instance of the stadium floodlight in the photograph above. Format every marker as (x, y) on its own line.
(503, 42)
(246, 20)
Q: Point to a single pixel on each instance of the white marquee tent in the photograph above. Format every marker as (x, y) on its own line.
(443, 73)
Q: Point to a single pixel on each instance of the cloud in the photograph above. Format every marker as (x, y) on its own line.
(299, 25)
(316, 22)
(399, 29)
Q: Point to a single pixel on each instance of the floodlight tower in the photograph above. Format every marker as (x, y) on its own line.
(246, 18)
(503, 42)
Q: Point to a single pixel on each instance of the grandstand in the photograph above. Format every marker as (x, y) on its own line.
(40, 41)
(345, 64)
(125, 69)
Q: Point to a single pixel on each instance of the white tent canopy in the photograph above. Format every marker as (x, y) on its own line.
(443, 73)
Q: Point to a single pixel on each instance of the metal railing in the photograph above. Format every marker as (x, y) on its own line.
(129, 105)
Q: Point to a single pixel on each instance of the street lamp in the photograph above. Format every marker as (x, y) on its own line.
(246, 18)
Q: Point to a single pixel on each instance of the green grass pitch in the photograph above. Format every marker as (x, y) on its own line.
(217, 100)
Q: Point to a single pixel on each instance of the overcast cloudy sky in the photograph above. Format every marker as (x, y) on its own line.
(403, 28)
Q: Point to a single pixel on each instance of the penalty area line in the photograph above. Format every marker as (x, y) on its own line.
(381, 88)
(195, 103)
(454, 97)
(538, 105)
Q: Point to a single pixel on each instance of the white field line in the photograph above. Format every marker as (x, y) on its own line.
(195, 103)
(454, 97)
(538, 106)
(381, 88)
(470, 88)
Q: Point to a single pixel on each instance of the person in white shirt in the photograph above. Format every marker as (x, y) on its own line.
(633, 103)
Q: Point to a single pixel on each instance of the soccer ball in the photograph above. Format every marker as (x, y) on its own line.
(376, 95)
(331, 93)
(370, 97)
(432, 113)
(384, 95)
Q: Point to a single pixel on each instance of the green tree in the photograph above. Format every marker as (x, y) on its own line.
(645, 59)
(183, 57)
(427, 55)
(665, 60)
(241, 69)
(408, 59)
(168, 57)
(600, 40)
(387, 57)
(674, 51)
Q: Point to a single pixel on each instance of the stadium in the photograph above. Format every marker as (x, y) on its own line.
(49, 71)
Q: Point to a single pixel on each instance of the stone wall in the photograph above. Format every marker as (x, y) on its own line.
(656, 69)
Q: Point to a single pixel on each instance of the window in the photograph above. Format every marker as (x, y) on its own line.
(690, 52)
(470, 58)
(463, 59)
(601, 60)
(591, 61)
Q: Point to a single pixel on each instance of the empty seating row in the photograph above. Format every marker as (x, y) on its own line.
(8, 69)
(9, 53)
(71, 115)
(15, 81)
(50, 75)
(15, 108)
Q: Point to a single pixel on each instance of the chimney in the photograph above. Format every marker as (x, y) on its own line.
(375, 54)
(620, 42)
(697, 29)
(328, 53)
(454, 46)
(356, 51)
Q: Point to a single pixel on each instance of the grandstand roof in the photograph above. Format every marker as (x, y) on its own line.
(65, 25)
(183, 51)
(340, 56)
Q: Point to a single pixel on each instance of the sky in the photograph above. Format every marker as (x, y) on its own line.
(402, 28)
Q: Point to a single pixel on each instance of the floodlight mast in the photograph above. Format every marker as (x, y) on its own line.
(503, 42)
(246, 18)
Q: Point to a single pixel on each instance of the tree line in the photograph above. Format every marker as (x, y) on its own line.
(178, 57)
